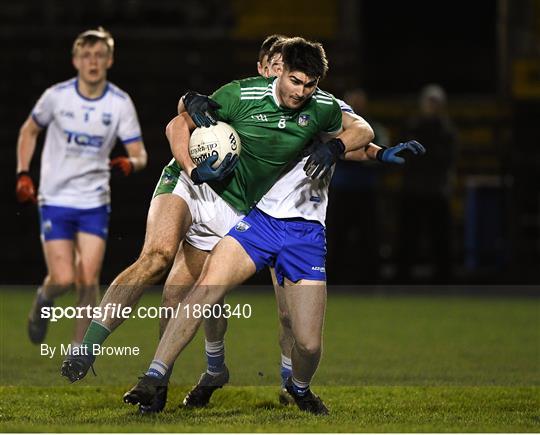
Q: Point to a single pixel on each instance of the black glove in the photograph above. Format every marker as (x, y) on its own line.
(322, 157)
(201, 108)
(204, 172)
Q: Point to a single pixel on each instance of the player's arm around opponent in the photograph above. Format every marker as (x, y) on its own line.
(371, 151)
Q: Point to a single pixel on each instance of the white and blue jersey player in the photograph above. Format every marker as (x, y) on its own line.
(74, 193)
(84, 117)
(286, 232)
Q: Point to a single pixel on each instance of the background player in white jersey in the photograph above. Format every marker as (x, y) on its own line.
(84, 117)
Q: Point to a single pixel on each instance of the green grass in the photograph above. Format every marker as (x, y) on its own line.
(390, 364)
(255, 409)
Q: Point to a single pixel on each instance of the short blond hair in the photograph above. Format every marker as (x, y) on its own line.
(91, 36)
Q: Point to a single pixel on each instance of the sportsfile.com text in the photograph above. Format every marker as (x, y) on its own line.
(118, 311)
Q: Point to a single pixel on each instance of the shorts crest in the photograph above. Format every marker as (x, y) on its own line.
(242, 226)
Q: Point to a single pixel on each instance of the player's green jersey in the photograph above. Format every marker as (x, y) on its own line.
(272, 136)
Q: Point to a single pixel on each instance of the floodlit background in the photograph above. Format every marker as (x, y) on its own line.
(401, 354)
(484, 228)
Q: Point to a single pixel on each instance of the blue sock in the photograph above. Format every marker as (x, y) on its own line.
(299, 388)
(286, 369)
(158, 369)
(215, 357)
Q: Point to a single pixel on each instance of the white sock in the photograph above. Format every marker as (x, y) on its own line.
(215, 356)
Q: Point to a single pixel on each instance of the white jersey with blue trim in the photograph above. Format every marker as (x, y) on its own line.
(81, 133)
(295, 195)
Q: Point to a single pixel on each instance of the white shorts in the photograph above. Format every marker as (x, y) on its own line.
(212, 217)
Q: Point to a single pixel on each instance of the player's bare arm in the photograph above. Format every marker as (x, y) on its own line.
(365, 151)
(178, 132)
(356, 134)
(137, 155)
(26, 144)
(386, 155)
(368, 152)
(180, 108)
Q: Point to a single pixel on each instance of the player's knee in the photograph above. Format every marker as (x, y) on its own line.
(309, 346)
(64, 280)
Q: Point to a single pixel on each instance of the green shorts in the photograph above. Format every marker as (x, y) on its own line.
(169, 178)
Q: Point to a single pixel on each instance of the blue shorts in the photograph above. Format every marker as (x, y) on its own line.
(64, 222)
(296, 248)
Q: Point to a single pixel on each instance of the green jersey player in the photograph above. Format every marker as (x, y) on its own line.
(244, 103)
(198, 214)
(140, 394)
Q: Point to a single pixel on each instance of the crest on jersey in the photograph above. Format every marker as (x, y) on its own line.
(168, 178)
(242, 226)
(106, 119)
(303, 120)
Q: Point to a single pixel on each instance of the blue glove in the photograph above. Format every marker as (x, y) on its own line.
(389, 155)
(201, 108)
(204, 172)
(322, 157)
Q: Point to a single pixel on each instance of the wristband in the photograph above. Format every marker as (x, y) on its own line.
(379, 155)
(22, 173)
(195, 176)
(338, 145)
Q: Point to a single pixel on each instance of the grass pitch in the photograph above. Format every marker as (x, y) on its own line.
(390, 364)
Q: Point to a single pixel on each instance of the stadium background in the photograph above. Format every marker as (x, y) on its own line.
(414, 363)
(484, 53)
